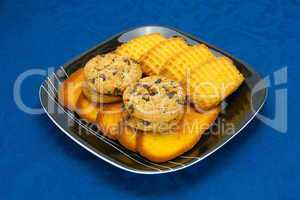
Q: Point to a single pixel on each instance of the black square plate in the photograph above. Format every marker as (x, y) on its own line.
(238, 110)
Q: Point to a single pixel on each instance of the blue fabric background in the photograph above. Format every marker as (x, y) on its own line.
(38, 162)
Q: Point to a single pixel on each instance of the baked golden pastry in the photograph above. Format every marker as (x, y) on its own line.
(86, 109)
(138, 46)
(155, 99)
(154, 59)
(110, 74)
(70, 90)
(178, 67)
(109, 120)
(127, 137)
(213, 82)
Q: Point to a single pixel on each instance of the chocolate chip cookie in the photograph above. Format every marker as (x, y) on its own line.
(144, 125)
(155, 99)
(110, 74)
(97, 97)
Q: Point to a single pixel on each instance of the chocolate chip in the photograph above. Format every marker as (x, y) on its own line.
(114, 73)
(146, 123)
(158, 81)
(146, 97)
(93, 80)
(171, 94)
(146, 86)
(127, 61)
(130, 108)
(102, 76)
(108, 93)
(134, 61)
(117, 91)
(152, 91)
(166, 88)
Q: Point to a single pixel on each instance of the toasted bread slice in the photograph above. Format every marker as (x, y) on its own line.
(86, 109)
(163, 147)
(109, 119)
(110, 122)
(70, 90)
(127, 138)
(212, 82)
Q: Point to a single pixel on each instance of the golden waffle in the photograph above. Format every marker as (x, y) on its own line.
(213, 82)
(178, 66)
(153, 60)
(137, 47)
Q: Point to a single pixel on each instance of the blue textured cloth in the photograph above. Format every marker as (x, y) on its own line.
(38, 162)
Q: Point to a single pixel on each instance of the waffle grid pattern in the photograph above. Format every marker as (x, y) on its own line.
(213, 82)
(178, 66)
(155, 58)
(137, 47)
